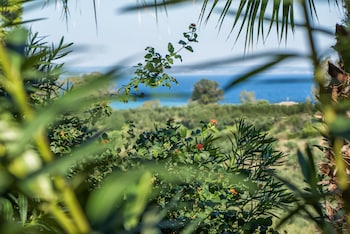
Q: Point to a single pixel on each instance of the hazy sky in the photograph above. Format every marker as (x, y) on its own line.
(124, 36)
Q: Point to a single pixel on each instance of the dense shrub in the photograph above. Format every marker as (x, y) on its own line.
(223, 193)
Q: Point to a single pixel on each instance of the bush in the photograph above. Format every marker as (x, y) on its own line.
(217, 192)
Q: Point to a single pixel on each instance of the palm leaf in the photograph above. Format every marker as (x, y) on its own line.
(275, 60)
(155, 5)
(261, 19)
(251, 12)
(265, 17)
(95, 15)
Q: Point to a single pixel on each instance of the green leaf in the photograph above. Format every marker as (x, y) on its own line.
(265, 221)
(340, 126)
(177, 56)
(23, 207)
(181, 42)
(312, 169)
(170, 48)
(5, 179)
(304, 166)
(6, 209)
(135, 208)
(189, 48)
(148, 56)
(102, 202)
(183, 132)
(170, 60)
(15, 44)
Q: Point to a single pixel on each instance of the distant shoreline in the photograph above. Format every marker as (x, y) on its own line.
(156, 104)
(287, 103)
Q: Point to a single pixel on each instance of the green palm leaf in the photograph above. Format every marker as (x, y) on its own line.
(249, 15)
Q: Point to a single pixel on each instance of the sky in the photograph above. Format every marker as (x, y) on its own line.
(121, 38)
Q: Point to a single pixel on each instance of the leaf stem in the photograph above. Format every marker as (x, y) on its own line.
(72, 202)
(62, 218)
(311, 39)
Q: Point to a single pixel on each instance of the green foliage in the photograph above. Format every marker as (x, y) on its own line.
(62, 171)
(225, 192)
(71, 130)
(254, 13)
(206, 92)
(263, 116)
(60, 154)
(11, 13)
(153, 72)
(40, 120)
(309, 200)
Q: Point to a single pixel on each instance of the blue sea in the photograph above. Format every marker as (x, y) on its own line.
(273, 88)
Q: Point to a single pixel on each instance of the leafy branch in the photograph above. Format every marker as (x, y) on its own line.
(152, 72)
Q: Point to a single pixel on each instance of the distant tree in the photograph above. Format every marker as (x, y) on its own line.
(247, 97)
(207, 91)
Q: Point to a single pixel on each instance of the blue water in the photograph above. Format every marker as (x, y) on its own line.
(272, 88)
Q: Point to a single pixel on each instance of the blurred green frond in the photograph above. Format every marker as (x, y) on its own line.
(250, 16)
(244, 77)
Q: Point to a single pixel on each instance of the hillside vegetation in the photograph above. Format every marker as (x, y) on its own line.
(292, 126)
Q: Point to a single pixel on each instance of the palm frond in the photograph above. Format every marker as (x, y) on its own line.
(249, 15)
(261, 68)
(66, 10)
(156, 4)
(95, 15)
